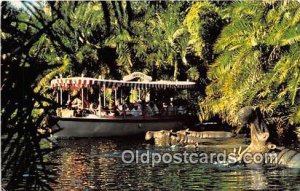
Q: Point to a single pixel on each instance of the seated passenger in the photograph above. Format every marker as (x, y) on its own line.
(128, 110)
(181, 110)
(137, 110)
(106, 110)
(69, 104)
(115, 110)
(100, 110)
(92, 108)
(139, 106)
(154, 108)
(86, 104)
(164, 108)
(124, 107)
(119, 107)
(149, 111)
(171, 110)
(111, 114)
(77, 103)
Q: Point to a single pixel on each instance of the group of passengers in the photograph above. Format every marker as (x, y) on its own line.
(136, 109)
(146, 109)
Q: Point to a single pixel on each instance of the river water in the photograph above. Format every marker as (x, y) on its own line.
(96, 164)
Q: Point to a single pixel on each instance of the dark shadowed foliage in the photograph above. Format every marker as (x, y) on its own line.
(24, 139)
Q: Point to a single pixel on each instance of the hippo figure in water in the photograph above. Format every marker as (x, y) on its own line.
(211, 134)
(162, 137)
(184, 137)
(259, 136)
(206, 134)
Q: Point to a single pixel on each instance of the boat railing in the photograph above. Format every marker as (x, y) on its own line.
(110, 113)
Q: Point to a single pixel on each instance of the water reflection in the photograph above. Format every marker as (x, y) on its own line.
(95, 164)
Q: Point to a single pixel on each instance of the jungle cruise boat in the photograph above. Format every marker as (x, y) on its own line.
(96, 107)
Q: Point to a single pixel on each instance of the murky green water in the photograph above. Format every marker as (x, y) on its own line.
(95, 164)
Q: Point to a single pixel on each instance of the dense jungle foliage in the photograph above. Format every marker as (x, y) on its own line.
(239, 53)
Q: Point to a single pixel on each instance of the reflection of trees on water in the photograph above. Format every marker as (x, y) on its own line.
(82, 167)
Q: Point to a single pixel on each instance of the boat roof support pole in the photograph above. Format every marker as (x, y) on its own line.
(139, 94)
(87, 95)
(115, 95)
(82, 97)
(104, 99)
(99, 100)
(57, 96)
(61, 96)
(121, 96)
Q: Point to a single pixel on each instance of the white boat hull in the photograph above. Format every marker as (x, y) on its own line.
(82, 127)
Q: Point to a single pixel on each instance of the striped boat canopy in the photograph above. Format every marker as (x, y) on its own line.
(79, 82)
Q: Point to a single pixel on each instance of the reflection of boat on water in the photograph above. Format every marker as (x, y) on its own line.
(99, 120)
